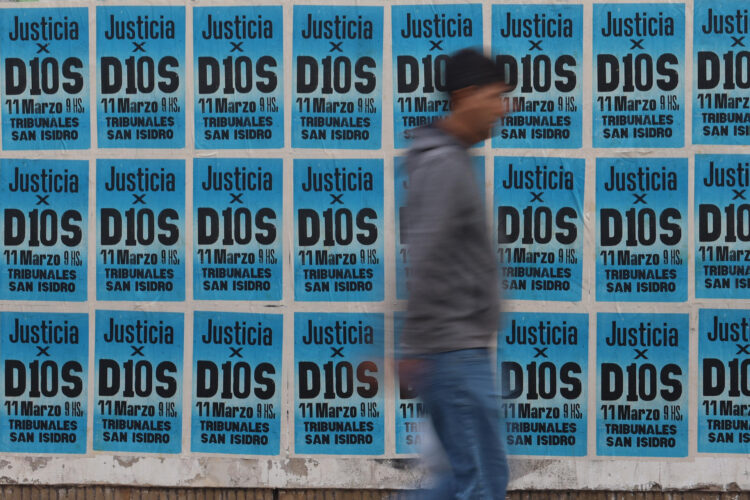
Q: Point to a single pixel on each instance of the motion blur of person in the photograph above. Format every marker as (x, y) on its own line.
(453, 308)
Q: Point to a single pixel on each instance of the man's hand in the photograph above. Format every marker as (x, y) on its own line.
(410, 371)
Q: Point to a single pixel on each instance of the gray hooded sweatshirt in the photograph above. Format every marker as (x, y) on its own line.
(452, 281)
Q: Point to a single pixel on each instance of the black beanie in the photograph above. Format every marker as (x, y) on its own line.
(467, 68)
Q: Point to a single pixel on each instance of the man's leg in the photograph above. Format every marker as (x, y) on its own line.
(455, 394)
(493, 462)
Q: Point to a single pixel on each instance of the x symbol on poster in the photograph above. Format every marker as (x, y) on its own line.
(236, 198)
(43, 47)
(535, 45)
(236, 46)
(637, 44)
(235, 352)
(137, 351)
(139, 198)
(335, 46)
(436, 45)
(540, 352)
(743, 349)
(337, 351)
(640, 353)
(537, 196)
(737, 41)
(42, 351)
(739, 194)
(42, 199)
(337, 198)
(139, 47)
(640, 198)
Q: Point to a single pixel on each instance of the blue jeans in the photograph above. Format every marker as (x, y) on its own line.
(458, 390)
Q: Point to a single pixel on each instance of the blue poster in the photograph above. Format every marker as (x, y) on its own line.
(542, 367)
(641, 229)
(721, 82)
(540, 50)
(539, 227)
(642, 384)
(338, 381)
(239, 77)
(140, 73)
(237, 369)
(722, 230)
(44, 376)
(412, 418)
(237, 226)
(338, 250)
(337, 53)
(639, 60)
(724, 394)
(140, 243)
(138, 381)
(45, 205)
(401, 190)
(44, 67)
(424, 36)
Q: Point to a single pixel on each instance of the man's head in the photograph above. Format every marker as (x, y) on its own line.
(475, 84)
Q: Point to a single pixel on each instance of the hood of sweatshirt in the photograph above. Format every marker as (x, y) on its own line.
(428, 138)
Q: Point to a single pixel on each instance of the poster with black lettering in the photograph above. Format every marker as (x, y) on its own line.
(44, 67)
(237, 223)
(239, 74)
(338, 359)
(542, 374)
(724, 335)
(642, 385)
(641, 229)
(723, 340)
(539, 227)
(337, 72)
(237, 371)
(140, 53)
(540, 49)
(401, 192)
(45, 227)
(639, 61)
(721, 83)
(412, 419)
(138, 381)
(44, 376)
(424, 36)
(140, 243)
(338, 206)
(722, 236)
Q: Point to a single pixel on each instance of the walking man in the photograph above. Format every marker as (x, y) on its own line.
(453, 309)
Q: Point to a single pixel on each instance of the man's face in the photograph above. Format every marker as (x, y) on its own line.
(481, 107)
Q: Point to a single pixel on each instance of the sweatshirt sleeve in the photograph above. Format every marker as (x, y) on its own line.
(434, 213)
